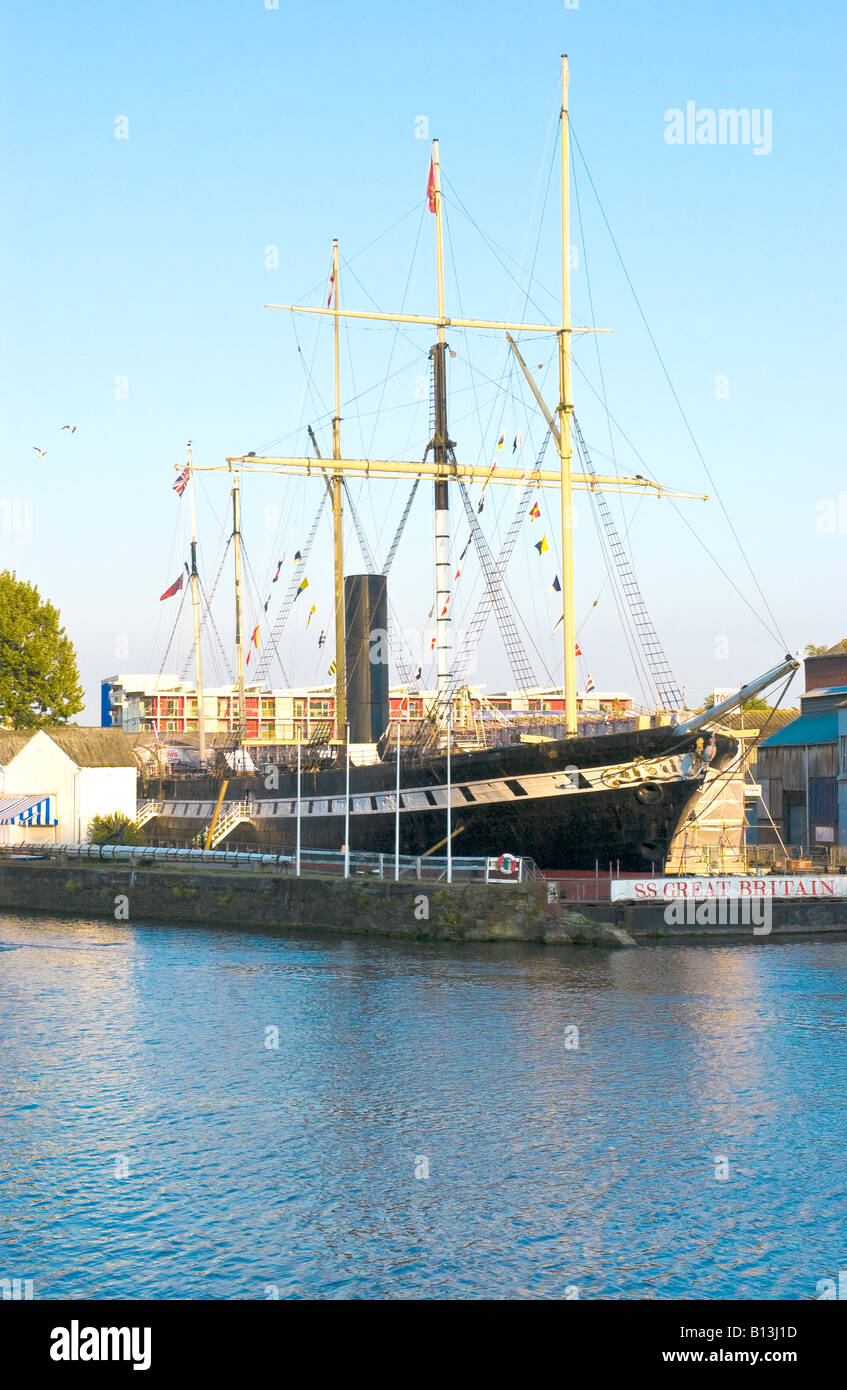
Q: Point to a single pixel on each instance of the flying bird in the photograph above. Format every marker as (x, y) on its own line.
(42, 453)
(72, 428)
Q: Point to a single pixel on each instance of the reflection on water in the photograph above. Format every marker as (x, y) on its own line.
(293, 1167)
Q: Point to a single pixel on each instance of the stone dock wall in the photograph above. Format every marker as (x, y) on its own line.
(226, 896)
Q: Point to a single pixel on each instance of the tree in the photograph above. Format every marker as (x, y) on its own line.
(115, 829)
(813, 650)
(39, 678)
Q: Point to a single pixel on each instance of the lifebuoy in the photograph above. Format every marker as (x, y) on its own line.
(508, 864)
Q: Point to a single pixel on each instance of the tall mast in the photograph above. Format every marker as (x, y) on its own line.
(195, 612)
(236, 560)
(565, 449)
(337, 530)
(441, 447)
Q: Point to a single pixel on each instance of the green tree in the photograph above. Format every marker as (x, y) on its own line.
(39, 678)
(813, 650)
(115, 829)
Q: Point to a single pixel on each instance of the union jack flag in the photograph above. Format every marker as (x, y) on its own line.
(181, 483)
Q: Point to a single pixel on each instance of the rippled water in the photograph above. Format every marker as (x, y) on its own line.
(254, 1169)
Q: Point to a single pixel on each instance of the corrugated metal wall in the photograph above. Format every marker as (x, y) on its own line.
(789, 764)
(823, 800)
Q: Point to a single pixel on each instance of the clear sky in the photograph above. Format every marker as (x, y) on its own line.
(135, 271)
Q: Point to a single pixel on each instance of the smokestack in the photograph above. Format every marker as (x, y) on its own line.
(366, 654)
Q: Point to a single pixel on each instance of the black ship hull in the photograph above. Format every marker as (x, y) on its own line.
(565, 804)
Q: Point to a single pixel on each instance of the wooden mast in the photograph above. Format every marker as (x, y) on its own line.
(195, 613)
(565, 447)
(337, 525)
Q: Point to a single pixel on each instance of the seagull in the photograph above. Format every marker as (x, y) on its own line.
(42, 453)
(72, 428)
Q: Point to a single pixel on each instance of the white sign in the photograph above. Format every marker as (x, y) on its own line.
(644, 890)
(826, 833)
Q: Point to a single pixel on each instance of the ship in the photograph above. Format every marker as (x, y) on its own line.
(566, 802)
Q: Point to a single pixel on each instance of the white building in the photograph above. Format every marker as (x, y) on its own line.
(54, 781)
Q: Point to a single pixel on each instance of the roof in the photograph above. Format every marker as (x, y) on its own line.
(11, 743)
(87, 747)
(753, 721)
(822, 692)
(809, 728)
(93, 747)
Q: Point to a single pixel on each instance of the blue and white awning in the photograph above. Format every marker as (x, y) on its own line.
(28, 810)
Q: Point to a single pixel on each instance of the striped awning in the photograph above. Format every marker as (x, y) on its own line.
(28, 810)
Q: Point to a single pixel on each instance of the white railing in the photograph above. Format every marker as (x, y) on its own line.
(236, 812)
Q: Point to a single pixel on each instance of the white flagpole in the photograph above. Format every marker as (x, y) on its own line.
(397, 811)
(449, 800)
(347, 809)
(297, 868)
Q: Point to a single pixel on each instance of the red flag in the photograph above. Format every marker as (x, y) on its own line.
(430, 187)
(174, 589)
(331, 284)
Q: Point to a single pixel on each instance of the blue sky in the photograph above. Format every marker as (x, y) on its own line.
(145, 258)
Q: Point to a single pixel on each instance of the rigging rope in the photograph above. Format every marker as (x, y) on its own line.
(673, 392)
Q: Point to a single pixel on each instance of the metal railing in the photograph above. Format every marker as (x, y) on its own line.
(411, 868)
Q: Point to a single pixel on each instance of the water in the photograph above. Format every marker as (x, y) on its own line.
(255, 1171)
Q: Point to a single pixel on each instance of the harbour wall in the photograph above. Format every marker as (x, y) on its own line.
(468, 911)
(784, 917)
(251, 898)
